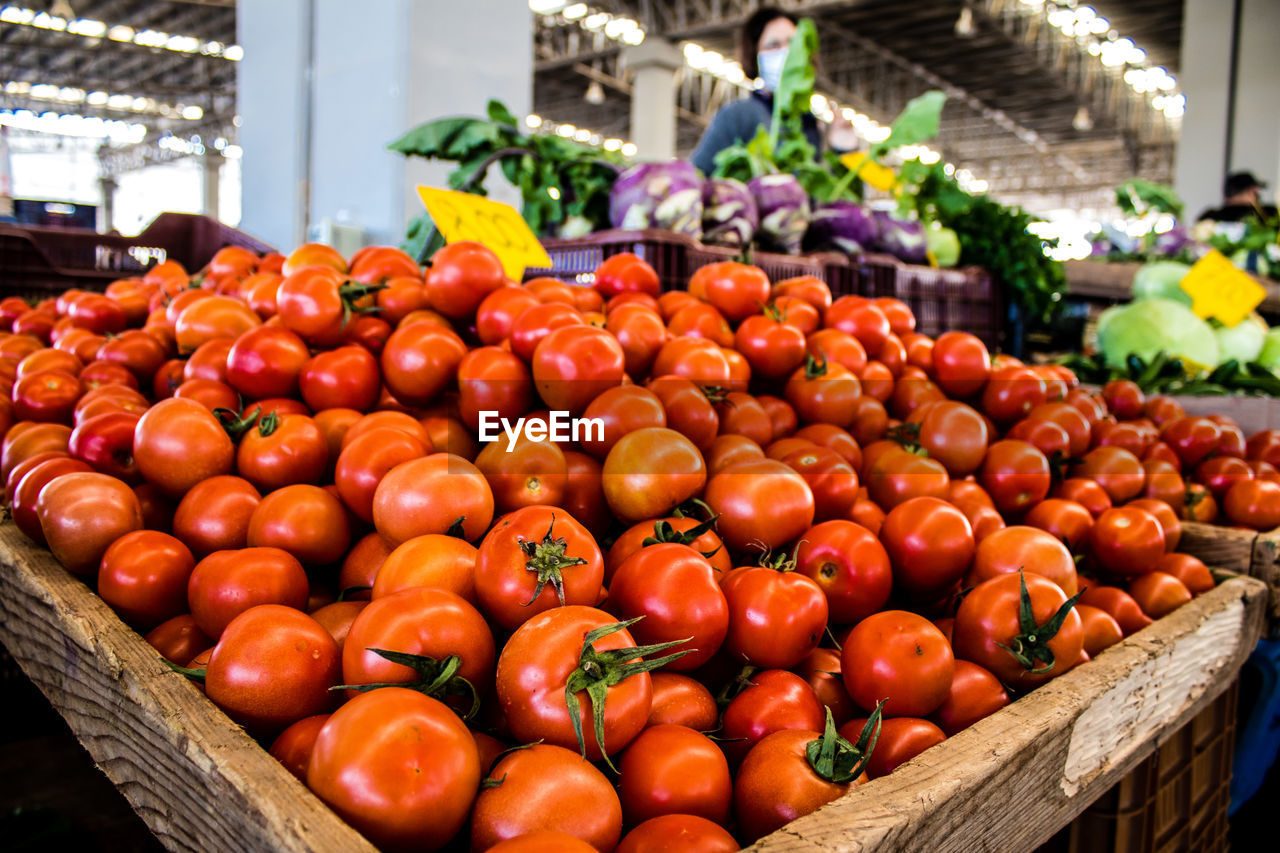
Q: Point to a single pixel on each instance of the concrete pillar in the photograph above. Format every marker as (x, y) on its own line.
(212, 165)
(107, 212)
(325, 85)
(654, 62)
(1224, 132)
(6, 176)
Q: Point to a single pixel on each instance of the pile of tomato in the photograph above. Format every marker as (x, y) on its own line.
(805, 544)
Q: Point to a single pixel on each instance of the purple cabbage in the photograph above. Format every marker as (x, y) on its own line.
(784, 211)
(843, 225)
(658, 195)
(729, 214)
(902, 238)
(1173, 241)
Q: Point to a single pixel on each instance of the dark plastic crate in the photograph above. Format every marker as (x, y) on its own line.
(574, 260)
(943, 300)
(778, 267)
(40, 262)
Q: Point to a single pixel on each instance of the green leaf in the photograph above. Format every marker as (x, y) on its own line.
(918, 123)
(449, 138)
(1137, 197)
(795, 90)
(498, 112)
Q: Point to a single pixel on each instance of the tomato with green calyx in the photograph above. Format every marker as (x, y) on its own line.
(535, 559)
(823, 391)
(573, 663)
(1022, 627)
(776, 614)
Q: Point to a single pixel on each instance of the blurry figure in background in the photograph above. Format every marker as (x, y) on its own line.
(1241, 200)
(762, 50)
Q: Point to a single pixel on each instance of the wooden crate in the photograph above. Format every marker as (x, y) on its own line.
(201, 783)
(1244, 551)
(1105, 281)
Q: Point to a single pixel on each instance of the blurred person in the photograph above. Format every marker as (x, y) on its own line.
(763, 42)
(1241, 199)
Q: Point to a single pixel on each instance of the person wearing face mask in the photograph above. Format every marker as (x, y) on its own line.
(762, 44)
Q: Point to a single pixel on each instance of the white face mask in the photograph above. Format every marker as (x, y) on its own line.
(770, 63)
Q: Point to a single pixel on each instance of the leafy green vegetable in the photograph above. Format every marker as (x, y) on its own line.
(562, 183)
(792, 100)
(917, 123)
(1138, 197)
(1149, 326)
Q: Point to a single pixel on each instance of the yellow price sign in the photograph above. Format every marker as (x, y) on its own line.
(872, 173)
(1219, 289)
(462, 216)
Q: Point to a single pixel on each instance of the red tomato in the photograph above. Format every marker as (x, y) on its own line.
(991, 632)
(952, 433)
(433, 560)
(1013, 548)
(419, 360)
(398, 766)
(775, 617)
(143, 576)
(651, 471)
(930, 544)
(899, 658)
(1067, 520)
(1253, 503)
(961, 363)
(347, 377)
(307, 521)
(226, 583)
(82, 514)
(178, 640)
(674, 770)
(1101, 630)
(461, 275)
(862, 319)
(582, 802)
(430, 495)
(736, 290)
(573, 365)
(178, 443)
(1193, 573)
(106, 442)
(214, 515)
(894, 476)
(1124, 398)
(900, 740)
(673, 590)
(626, 273)
(622, 410)
(1193, 439)
(759, 500)
(774, 700)
(666, 833)
(1118, 604)
(1127, 541)
(975, 693)
(535, 559)
(850, 566)
(1118, 471)
(1085, 492)
(1016, 475)
(1011, 393)
(1158, 593)
(1168, 519)
(272, 666)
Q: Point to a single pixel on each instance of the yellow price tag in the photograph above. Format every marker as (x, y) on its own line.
(462, 216)
(871, 173)
(1219, 289)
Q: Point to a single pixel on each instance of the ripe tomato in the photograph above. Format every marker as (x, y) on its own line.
(226, 583)
(697, 359)
(830, 477)
(736, 290)
(1070, 420)
(669, 831)
(1218, 474)
(961, 363)
(650, 472)
(930, 544)
(143, 576)
(626, 273)
(419, 361)
(1086, 492)
(701, 320)
(1168, 519)
(674, 770)
(772, 347)
(535, 559)
(687, 409)
(272, 666)
(899, 658)
(82, 513)
(641, 333)
(1193, 439)
(1253, 503)
(434, 560)
(560, 659)
(1158, 593)
(573, 365)
(1198, 504)
(621, 410)
(178, 640)
(850, 565)
(1022, 652)
(46, 396)
(1264, 446)
(1127, 541)
(893, 476)
(105, 441)
(214, 515)
(427, 622)
(777, 783)
(862, 319)
(675, 590)
(497, 314)
(1124, 398)
(683, 701)
(294, 745)
(1067, 520)
(900, 740)
(398, 766)
(582, 802)
(760, 500)
(215, 317)
(346, 377)
(1016, 475)
(824, 392)
(1193, 573)
(460, 277)
(952, 433)
(1013, 548)
(1100, 629)
(1117, 604)
(178, 443)
(431, 495)
(280, 450)
(524, 473)
(975, 693)
(776, 616)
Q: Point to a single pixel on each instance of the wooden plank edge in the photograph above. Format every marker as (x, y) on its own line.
(197, 779)
(1013, 779)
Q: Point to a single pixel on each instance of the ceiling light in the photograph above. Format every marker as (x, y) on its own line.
(1082, 121)
(576, 11)
(594, 94)
(629, 149)
(533, 121)
(965, 28)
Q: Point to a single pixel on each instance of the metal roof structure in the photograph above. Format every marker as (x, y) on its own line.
(1017, 83)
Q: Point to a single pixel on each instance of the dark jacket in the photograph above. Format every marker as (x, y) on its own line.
(1237, 213)
(737, 122)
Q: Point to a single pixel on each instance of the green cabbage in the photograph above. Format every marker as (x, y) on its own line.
(1270, 355)
(943, 244)
(1159, 280)
(1150, 326)
(1243, 341)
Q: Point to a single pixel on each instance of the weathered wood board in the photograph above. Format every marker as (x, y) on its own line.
(1245, 551)
(1011, 781)
(196, 778)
